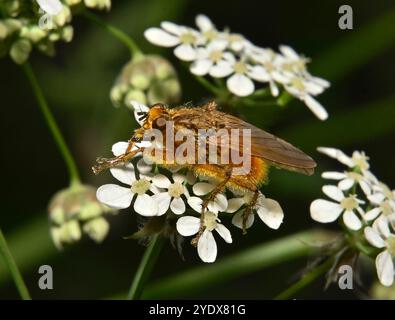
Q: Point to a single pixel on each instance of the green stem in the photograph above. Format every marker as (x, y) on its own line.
(52, 125)
(134, 49)
(10, 262)
(145, 268)
(305, 280)
(209, 86)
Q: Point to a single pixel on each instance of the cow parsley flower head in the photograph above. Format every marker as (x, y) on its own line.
(222, 54)
(367, 208)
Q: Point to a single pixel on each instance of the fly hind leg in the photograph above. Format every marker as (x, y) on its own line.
(248, 210)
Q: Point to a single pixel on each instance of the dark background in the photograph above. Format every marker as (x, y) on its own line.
(361, 104)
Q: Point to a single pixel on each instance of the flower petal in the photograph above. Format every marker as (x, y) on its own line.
(240, 85)
(334, 175)
(372, 214)
(385, 268)
(188, 226)
(143, 167)
(195, 203)
(161, 38)
(177, 206)
(325, 211)
(201, 67)
(114, 196)
(274, 89)
(258, 73)
(163, 201)
(237, 220)
(351, 220)
(53, 7)
(207, 247)
(221, 69)
(161, 181)
(185, 52)
(346, 184)
(202, 188)
(374, 238)
(224, 232)
(234, 204)
(119, 148)
(203, 22)
(337, 154)
(124, 174)
(219, 204)
(333, 192)
(271, 213)
(315, 107)
(145, 205)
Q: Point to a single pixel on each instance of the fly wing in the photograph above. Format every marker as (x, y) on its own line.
(267, 146)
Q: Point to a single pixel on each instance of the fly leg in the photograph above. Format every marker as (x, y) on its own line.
(248, 210)
(104, 163)
(211, 197)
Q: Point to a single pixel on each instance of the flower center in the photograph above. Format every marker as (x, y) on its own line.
(140, 186)
(176, 190)
(360, 160)
(210, 220)
(349, 203)
(234, 38)
(387, 192)
(386, 208)
(269, 66)
(210, 34)
(354, 176)
(390, 242)
(216, 55)
(298, 84)
(240, 67)
(188, 38)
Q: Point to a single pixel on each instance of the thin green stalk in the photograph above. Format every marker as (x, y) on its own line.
(209, 86)
(52, 125)
(145, 268)
(10, 262)
(305, 280)
(134, 49)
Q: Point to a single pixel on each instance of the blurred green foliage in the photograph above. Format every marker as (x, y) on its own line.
(361, 104)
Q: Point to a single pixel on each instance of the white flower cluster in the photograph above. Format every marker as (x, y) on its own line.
(365, 203)
(222, 54)
(179, 192)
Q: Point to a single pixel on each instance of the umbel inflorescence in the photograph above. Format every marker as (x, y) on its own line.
(222, 54)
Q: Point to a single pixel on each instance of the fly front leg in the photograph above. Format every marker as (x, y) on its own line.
(104, 163)
(209, 198)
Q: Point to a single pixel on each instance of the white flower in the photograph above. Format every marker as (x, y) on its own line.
(139, 111)
(304, 89)
(381, 192)
(325, 211)
(185, 39)
(52, 7)
(119, 197)
(212, 60)
(381, 236)
(219, 204)
(271, 62)
(293, 63)
(171, 197)
(240, 83)
(268, 210)
(206, 246)
(358, 159)
(207, 28)
(348, 179)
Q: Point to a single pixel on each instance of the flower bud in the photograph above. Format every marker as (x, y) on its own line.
(33, 33)
(147, 79)
(74, 208)
(20, 51)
